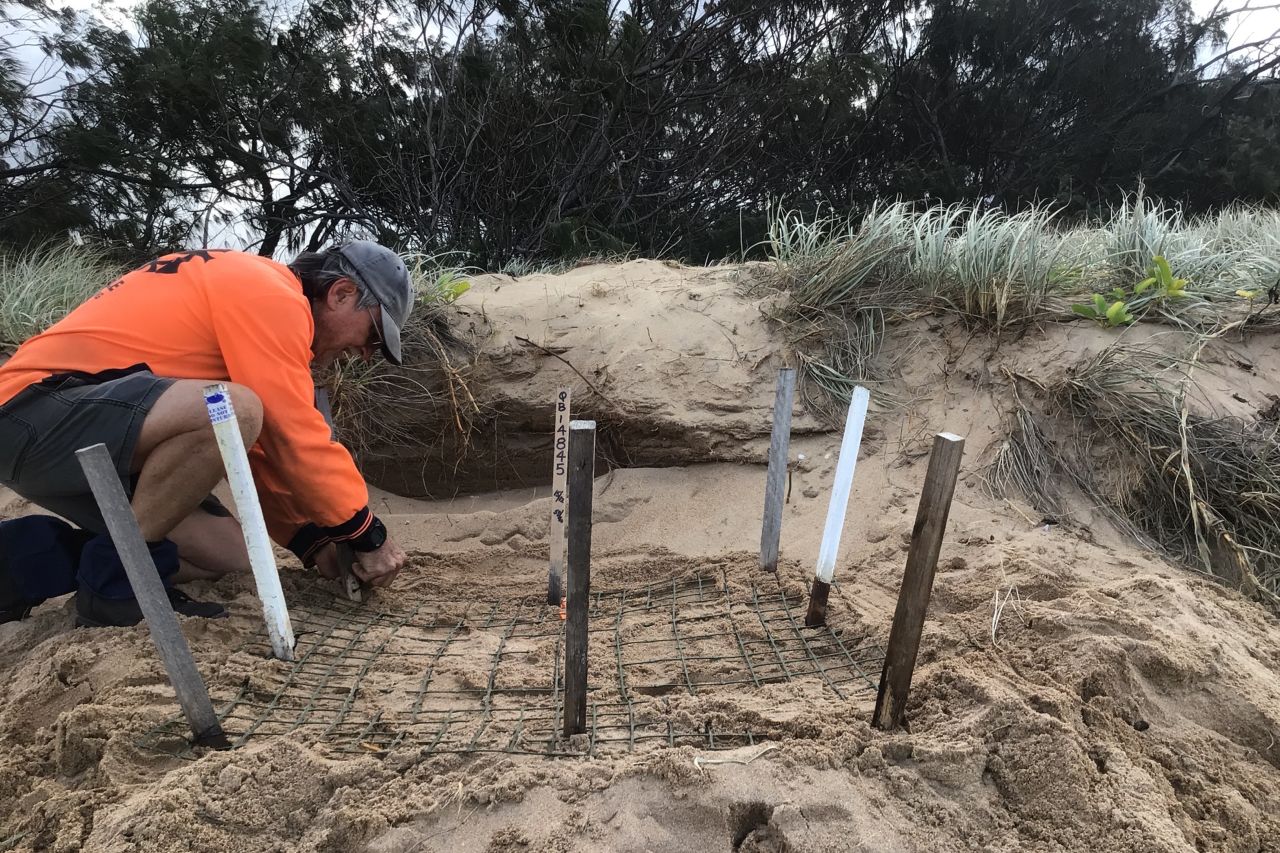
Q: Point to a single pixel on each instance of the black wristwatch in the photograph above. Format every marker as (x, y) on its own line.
(373, 537)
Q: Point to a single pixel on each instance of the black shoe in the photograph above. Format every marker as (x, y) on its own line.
(93, 611)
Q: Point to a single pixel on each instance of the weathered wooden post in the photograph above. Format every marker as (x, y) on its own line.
(917, 581)
(582, 450)
(775, 482)
(149, 590)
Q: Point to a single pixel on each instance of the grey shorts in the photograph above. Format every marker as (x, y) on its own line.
(44, 425)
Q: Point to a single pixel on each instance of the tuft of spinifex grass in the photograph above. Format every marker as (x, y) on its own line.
(39, 286)
(1203, 485)
(379, 407)
(847, 280)
(844, 281)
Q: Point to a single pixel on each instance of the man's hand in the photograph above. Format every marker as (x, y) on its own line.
(380, 567)
(327, 562)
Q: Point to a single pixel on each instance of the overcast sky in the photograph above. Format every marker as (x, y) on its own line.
(1246, 26)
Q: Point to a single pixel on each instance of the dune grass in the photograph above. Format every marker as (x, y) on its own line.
(39, 286)
(379, 407)
(1204, 485)
(1122, 428)
(1169, 471)
(847, 279)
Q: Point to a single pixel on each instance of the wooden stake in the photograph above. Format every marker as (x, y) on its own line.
(841, 488)
(816, 614)
(779, 441)
(149, 590)
(917, 581)
(559, 499)
(582, 451)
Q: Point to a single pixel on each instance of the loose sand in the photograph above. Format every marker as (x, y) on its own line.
(1120, 703)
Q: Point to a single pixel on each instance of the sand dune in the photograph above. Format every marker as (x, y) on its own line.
(1119, 703)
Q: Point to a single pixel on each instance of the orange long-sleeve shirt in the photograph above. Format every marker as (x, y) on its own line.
(221, 316)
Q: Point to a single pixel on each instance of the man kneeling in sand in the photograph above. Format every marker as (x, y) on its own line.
(128, 368)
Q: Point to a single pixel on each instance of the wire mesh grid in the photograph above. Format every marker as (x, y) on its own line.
(486, 676)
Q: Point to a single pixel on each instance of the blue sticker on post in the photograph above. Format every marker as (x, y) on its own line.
(219, 405)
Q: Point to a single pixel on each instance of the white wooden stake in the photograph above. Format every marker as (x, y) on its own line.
(265, 574)
(559, 492)
(843, 485)
(854, 423)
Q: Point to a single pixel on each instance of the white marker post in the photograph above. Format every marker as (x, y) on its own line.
(265, 574)
(559, 499)
(853, 426)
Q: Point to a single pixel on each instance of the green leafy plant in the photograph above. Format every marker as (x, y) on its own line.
(1109, 314)
(1161, 281)
(451, 285)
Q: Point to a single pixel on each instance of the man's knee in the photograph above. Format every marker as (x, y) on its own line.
(181, 409)
(248, 409)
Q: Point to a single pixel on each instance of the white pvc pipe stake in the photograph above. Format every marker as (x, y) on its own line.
(245, 494)
(853, 426)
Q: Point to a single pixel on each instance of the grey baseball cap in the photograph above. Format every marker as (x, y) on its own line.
(384, 275)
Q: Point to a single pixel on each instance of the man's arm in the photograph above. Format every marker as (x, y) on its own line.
(311, 491)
